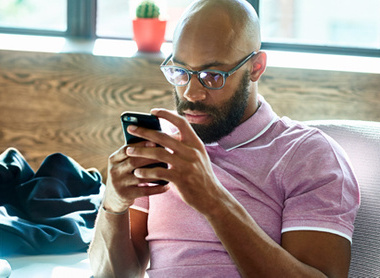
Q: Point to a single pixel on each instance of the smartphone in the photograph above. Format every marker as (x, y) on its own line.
(143, 120)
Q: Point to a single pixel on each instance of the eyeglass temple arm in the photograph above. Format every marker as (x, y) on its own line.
(167, 60)
(241, 63)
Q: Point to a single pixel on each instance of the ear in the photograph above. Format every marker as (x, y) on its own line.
(258, 66)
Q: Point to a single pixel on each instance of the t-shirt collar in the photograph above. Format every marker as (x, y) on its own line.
(251, 129)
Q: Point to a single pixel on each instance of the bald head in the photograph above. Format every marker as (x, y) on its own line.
(219, 23)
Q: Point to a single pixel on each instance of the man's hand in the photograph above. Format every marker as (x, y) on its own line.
(123, 187)
(189, 169)
(112, 252)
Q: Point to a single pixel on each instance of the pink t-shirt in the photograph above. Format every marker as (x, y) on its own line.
(287, 176)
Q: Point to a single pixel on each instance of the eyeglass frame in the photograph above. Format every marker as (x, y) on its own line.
(192, 72)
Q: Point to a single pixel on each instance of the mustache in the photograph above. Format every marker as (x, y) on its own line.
(198, 106)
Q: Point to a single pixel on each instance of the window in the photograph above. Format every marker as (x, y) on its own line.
(34, 14)
(331, 26)
(114, 16)
(324, 23)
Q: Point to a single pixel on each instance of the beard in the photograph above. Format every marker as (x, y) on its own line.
(224, 118)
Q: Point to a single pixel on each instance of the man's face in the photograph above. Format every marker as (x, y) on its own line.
(224, 117)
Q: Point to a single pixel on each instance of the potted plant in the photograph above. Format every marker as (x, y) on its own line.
(148, 29)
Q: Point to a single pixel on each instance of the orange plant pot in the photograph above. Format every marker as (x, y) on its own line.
(149, 34)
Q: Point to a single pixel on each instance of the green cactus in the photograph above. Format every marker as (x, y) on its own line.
(147, 9)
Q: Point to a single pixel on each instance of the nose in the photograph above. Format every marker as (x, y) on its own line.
(195, 91)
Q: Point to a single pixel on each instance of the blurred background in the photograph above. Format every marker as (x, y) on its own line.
(317, 25)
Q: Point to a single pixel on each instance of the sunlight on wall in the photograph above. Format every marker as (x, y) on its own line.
(323, 62)
(128, 48)
(32, 43)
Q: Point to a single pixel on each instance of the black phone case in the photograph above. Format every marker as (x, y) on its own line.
(143, 120)
(139, 119)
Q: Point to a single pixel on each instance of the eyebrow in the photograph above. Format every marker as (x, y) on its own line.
(204, 66)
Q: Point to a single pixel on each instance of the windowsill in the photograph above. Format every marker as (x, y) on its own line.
(127, 48)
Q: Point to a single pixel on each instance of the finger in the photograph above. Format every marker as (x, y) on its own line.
(152, 136)
(186, 132)
(123, 176)
(123, 173)
(147, 153)
(154, 155)
(183, 150)
(121, 154)
(151, 174)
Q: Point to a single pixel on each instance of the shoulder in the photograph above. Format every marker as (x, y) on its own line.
(295, 137)
(312, 157)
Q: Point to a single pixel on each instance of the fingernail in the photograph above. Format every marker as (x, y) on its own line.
(137, 173)
(132, 128)
(154, 111)
(130, 150)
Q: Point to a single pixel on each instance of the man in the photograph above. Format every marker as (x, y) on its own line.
(250, 194)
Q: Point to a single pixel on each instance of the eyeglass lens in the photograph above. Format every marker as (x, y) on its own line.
(176, 76)
(180, 77)
(211, 79)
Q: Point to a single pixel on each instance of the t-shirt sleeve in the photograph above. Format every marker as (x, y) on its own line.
(321, 190)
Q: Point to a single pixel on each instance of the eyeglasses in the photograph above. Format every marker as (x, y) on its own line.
(209, 78)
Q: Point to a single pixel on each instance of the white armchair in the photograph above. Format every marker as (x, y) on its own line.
(361, 141)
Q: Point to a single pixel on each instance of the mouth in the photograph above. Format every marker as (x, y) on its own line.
(196, 117)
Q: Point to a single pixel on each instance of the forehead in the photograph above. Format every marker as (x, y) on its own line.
(208, 40)
(204, 52)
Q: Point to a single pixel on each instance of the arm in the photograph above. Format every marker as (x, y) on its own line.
(303, 254)
(113, 252)
(119, 248)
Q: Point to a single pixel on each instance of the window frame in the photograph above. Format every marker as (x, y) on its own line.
(322, 49)
(81, 23)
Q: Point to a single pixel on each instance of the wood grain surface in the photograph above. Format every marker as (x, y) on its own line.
(71, 103)
(317, 94)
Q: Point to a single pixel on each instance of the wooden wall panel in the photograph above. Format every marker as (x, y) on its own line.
(71, 103)
(316, 94)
